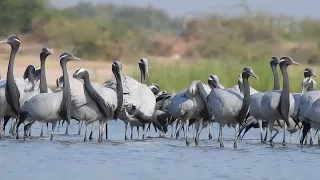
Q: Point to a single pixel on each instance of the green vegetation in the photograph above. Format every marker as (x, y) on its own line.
(108, 32)
(175, 77)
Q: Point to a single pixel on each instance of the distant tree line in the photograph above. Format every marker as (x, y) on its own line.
(108, 31)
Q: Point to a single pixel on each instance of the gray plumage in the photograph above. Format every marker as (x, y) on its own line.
(56, 104)
(94, 102)
(307, 83)
(255, 103)
(306, 100)
(14, 92)
(228, 106)
(190, 103)
(139, 101)
(239, 87)
(279, 104)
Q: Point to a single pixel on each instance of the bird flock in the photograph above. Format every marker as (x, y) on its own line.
(28, 99)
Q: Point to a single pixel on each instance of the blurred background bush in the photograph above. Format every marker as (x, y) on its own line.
(106, 32)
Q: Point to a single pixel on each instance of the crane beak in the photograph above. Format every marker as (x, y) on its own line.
(295, 63)
(220, 86)
(76, 58)
(253, 75)
(50, 52)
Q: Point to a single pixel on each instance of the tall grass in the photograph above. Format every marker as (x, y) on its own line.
(175, 77)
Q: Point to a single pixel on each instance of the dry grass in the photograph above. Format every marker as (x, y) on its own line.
(100, 71)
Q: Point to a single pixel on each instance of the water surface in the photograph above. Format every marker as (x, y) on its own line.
(68, 157)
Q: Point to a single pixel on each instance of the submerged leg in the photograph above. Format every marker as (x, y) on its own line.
(52, 130)
(221, 136)
(15, 121)
(210, 126)
(284, 134)
(29, 129)
(80, 127)
(41, 133)
(25, 130)
(2, 127)
(125, 130)
(144, 132)
(138, 131)
(260, 126)
(186, 132)
(271, 137)
(59, 124)
(131, 128)
(318, 138)
(103, 129)
(177, 129)
(11, 126)
(311, 142)
(100, 131)
(85, 133)
(235, 144)
(197, 131)
(90, 136)
(67, 129)
(266, 135)
(106, 129)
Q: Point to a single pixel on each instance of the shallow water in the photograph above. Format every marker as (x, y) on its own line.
(68, 157)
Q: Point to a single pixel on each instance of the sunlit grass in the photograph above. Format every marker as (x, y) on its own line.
(176, 76)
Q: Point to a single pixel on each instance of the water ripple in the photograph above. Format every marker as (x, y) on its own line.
(68, 157)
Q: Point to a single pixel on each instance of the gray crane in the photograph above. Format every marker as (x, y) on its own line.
(239, 88)
(166, 118)
(188, 104)
(308, 97)
(139, 100)
(32, 76)
(12, 91)
(310, 117)
(58, 104)
(307, 83)
(255, 103)
(98, 103)
(39, 73)
(279, 104)
(228, 106)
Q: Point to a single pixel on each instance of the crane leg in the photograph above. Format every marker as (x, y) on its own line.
(90, 136)
(197, 131)
(186, 133)
(311, 142)
(52, 130)
(210, 126)
(131, 128)
(125, 131)
(106, 129)
(85, 134)
(221, 136)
